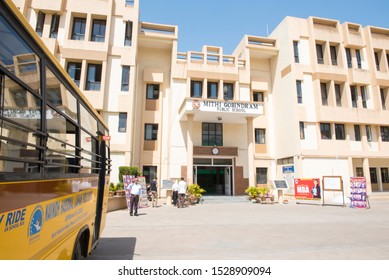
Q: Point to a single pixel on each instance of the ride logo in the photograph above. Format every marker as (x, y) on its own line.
(36, 223)
(13, 220)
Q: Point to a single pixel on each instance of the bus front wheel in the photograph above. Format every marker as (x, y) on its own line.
(78, 249)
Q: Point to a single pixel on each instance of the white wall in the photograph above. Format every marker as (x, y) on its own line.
(117, 160)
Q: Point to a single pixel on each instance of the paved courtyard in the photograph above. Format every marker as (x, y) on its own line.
(232, 228)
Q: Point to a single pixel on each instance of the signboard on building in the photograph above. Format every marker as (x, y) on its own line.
(358, 195)
(224, 106)
(288, 169)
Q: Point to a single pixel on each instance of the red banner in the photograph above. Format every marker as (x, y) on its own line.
(307, 189)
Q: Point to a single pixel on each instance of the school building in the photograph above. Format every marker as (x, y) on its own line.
(309, 100)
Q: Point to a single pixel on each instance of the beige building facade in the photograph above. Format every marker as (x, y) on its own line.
(309, 100)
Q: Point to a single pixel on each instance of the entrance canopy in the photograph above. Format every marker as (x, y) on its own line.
(210, 110)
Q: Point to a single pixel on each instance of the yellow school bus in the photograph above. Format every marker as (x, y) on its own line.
(54, 152)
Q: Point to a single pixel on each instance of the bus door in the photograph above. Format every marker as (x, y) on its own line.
(100, 190)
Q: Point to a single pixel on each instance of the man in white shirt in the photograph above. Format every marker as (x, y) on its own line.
(136, 190)
(182, 186)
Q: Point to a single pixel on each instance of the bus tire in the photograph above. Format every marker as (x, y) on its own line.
(78, 249)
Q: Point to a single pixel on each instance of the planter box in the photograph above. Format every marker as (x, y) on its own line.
(116, 203)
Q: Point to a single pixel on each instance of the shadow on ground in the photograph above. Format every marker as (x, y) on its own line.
(114, 249)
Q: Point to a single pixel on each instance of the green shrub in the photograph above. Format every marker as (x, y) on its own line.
(127, 170)
(120, 186)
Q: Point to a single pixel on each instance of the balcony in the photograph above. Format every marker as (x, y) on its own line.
(261, 47)
(211, 110)
(53, 5)
(353, 115)
(157, 35)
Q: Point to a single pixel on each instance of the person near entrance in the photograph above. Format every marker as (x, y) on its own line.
(182, 187)
(136, 190)
(154, 192)
(175, 192)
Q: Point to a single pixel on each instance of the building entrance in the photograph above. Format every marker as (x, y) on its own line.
(216, 180)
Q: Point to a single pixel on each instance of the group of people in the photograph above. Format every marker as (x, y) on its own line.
(179, 193)
(135, 191)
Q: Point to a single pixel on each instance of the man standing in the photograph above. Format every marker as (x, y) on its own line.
(136, 190)
(182, 186)
(175, 192)
(154, 192)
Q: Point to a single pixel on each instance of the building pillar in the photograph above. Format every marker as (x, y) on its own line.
(250, 151)
(189, 145)
(366, 173)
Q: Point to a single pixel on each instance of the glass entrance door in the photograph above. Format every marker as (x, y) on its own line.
(216, 180)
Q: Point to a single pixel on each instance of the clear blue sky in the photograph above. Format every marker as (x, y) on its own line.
(212, 22)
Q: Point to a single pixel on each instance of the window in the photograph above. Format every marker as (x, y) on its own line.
(319, 54)
(368, 133)
(212, 134)
(357, 132)
(130, 2)
(385, 133)
(40, 23)
(98, 30)
(228, 91)
(383, 98)
(258, 97)
(349, 58)
(296, 51)
(359, 60)
(377, 60)
(359, 172)
(387, 58)
(261, 175)
(125, 78)
(324, 94)
(151, 132)
(74, 71)
(93, 77)
(338, 95)
(325, 131)
(302, 131)
(373, 175)
(354, 96)
(152, 91)
(384, 175)
(364, 96)
(150, 172)
(128, 34)
(54, 26)
(78, 31)
(334, 55)
(260, 136)
(340, 132)
(196, 89)
(299, 92)
(213, 89)
(122, 122)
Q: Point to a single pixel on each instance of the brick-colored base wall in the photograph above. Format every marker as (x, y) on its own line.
(240, 182)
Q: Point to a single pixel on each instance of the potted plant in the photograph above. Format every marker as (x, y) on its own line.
(263, 192)
(252, 192)
(120, 189)
(195, 193)
(112, 189)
